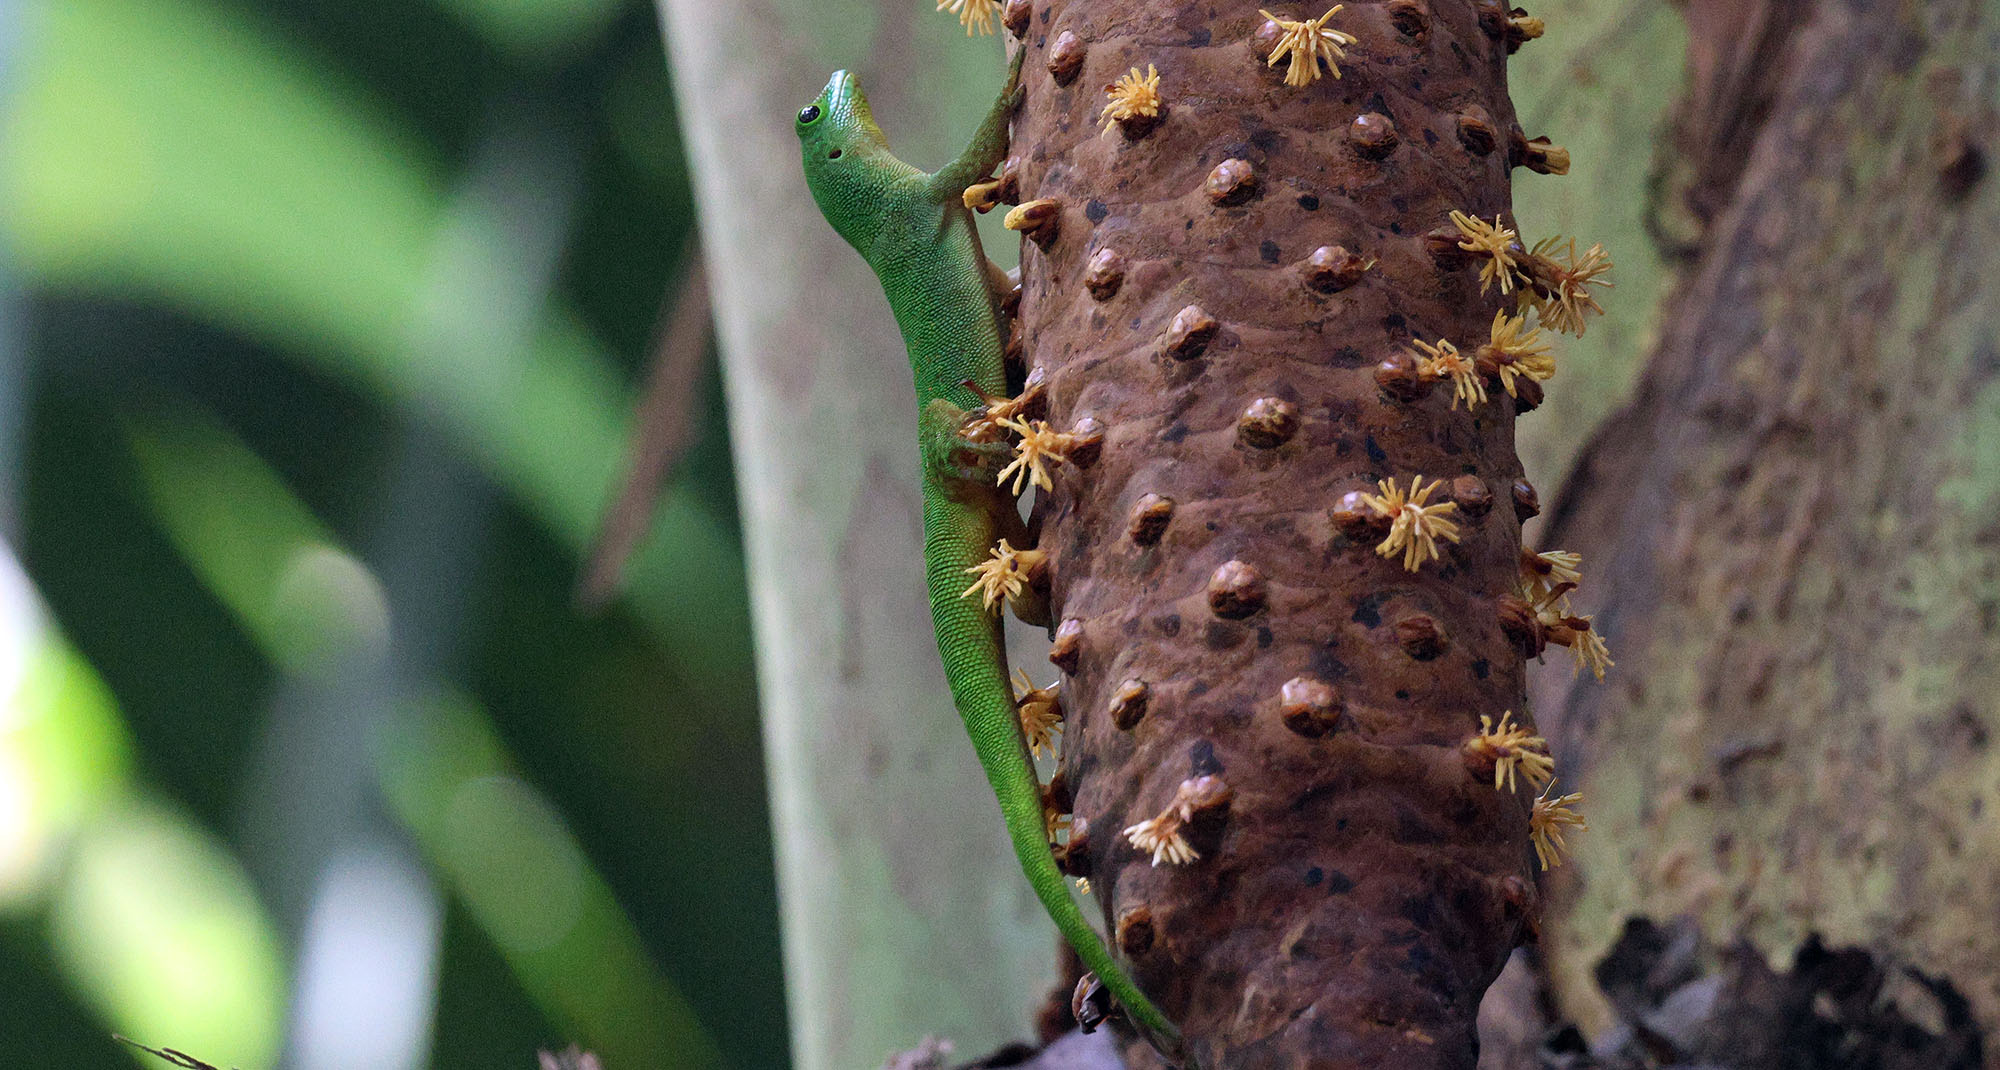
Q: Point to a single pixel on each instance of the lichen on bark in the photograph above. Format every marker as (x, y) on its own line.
(1798, 512)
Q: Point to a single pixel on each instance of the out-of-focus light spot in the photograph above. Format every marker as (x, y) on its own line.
(367, 966)
(24, 836)
(21, 628)
(514, 861)
(325, 605)
(158, 927)
(311, 605)
(63, 751)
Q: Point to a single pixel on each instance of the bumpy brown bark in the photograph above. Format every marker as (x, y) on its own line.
(1358, 885)
(1798, 515)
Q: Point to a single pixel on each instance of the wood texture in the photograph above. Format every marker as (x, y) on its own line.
(1362, 886)
(1793, 526)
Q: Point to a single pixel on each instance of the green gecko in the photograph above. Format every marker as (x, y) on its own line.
(915, 232)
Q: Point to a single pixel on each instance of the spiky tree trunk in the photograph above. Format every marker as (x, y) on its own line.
(1799, 513)
(1229, 292)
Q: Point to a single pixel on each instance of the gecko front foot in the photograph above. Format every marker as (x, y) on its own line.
(986, 423)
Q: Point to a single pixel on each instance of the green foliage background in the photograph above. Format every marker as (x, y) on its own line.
(322, 323)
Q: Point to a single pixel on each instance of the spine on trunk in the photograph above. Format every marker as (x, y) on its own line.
(1272, 275)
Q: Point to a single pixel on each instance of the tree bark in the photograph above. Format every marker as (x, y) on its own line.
(1795, 521)
(903, 910)
(1202, 302)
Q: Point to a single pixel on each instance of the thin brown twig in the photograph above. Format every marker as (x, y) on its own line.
(666, 426)
(172, 1055)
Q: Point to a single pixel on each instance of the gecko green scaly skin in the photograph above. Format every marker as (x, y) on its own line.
(916, 233)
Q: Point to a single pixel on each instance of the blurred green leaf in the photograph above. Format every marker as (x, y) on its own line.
(521, 872)
(498, 844)
(160, 149)
(151, 918)
(256, 546)
(535, 27)
(157, 923)
(64, 755)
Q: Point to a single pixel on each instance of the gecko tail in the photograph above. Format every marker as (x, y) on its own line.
(970, 644)
(1020, 802)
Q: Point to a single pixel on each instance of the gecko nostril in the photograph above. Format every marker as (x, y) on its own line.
(834, 155)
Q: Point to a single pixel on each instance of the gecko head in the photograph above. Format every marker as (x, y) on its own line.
(842, 150)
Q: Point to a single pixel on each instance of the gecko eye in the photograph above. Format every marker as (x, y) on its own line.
(809, 115)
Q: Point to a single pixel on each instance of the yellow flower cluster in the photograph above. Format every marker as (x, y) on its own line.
(1041, 713)
(1509, 747)
(1004, 575)
(1444, 361)
(1547, 821)
(1547, 578)
(977, 15)
(1134, 96)
(1414, 526)
(1303, 43)
(1162, 836)
(1512, 748)
(1560, 283)
(1552, 278)
(1040, 446)
(1493, 241)
(1514, 350)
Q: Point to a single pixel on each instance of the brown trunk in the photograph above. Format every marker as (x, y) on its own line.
(1796, 519)
(1359, 882)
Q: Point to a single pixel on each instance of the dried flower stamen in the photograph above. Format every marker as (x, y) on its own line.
(1040, 446)
(1414, 526)
(1162, 836)
(1515, 351)
(1444, 361)
(1004, 575)
(985, 423)
(1305, 43)
(1585, 643)
(1134, 96)
(976, 15)
(1547, 821)
(1542, 573)
(1568, 630)
(1560, 281)
(1510, 747)
(1041, 713)
(1493, 241)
